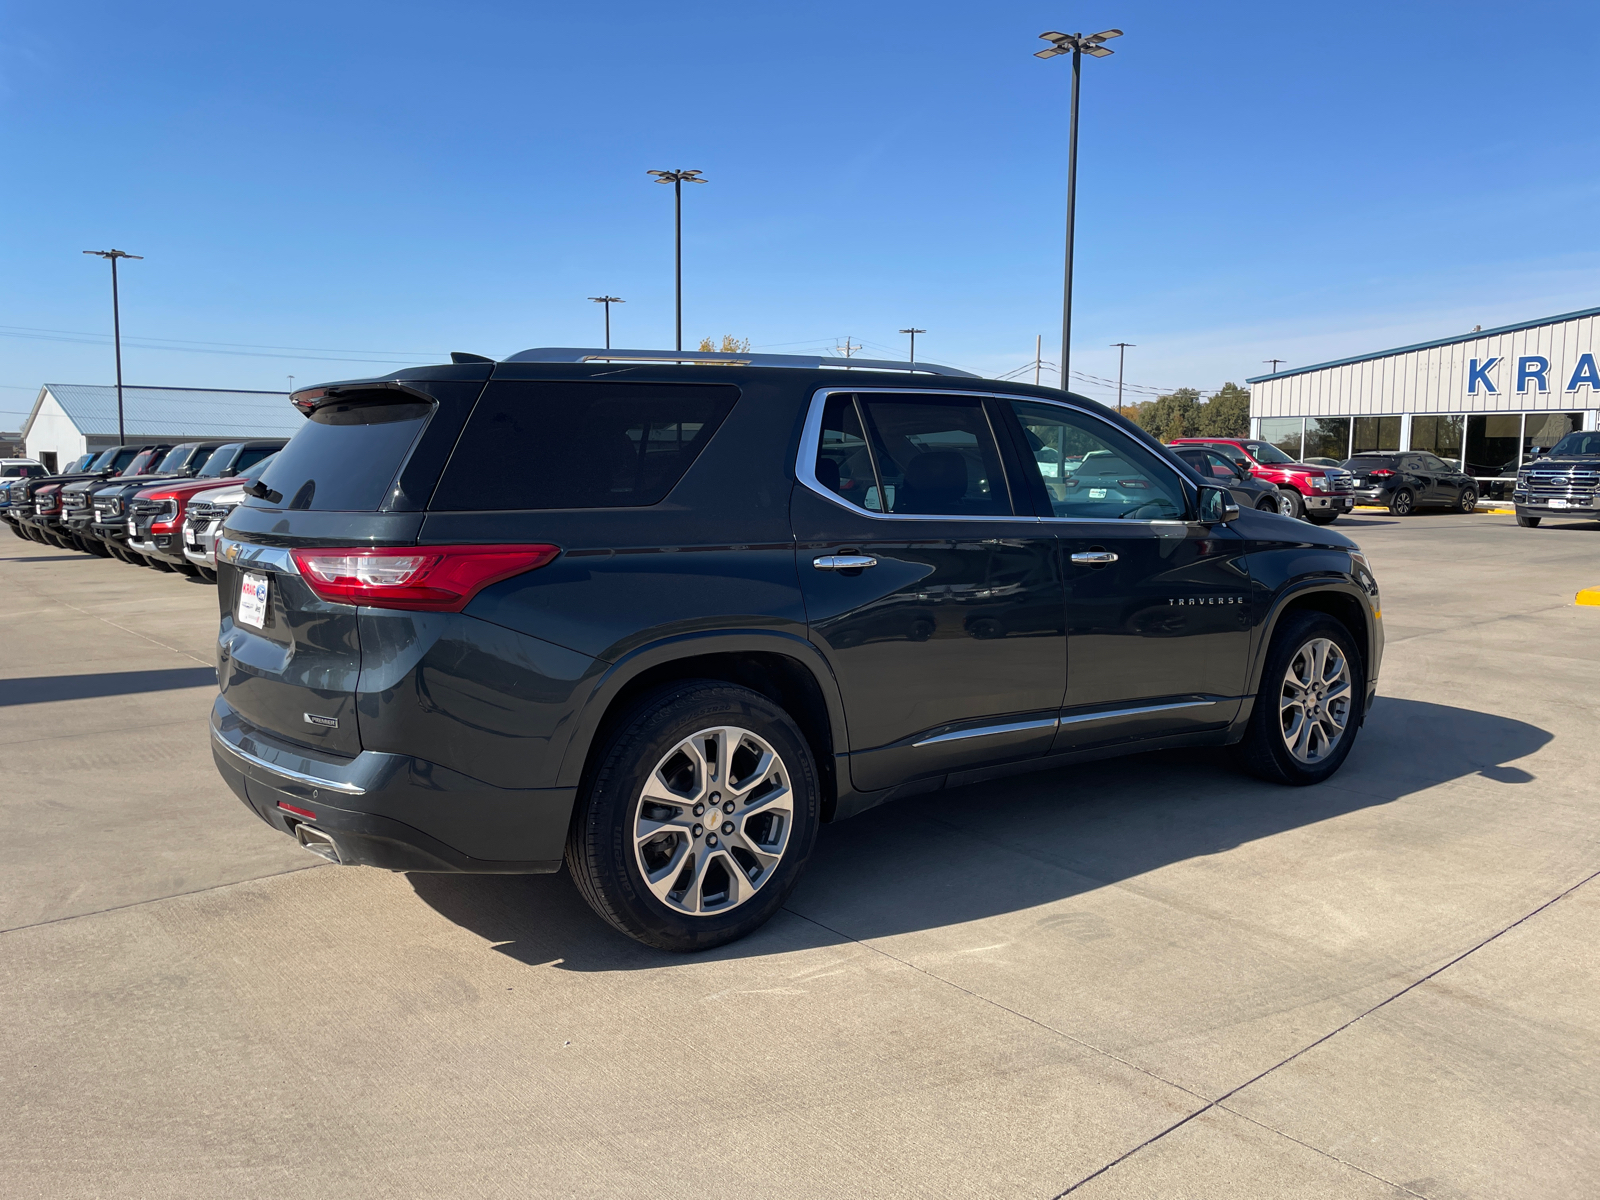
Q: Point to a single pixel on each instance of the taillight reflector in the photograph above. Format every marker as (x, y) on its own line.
(299, 812)
(419, 578)
(1381, 473)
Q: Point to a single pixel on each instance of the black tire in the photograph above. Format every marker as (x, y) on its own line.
(1267, 504)
(155, 564)
(1528, 522)
(208, 575)
(96, 547)
(1322, 516)
(1290, 504)
(1468, 501)
(17, 529)
(1265, 750)
(1403, 503)
(600, 851)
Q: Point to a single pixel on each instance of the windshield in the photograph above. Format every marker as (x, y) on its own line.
(221, 458)
(255, 472)
(139, 463)
(1577, 445)
(1265, 452)
(177, 458)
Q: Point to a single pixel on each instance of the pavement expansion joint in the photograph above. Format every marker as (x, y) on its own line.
(216, 887)
(1219, 1101)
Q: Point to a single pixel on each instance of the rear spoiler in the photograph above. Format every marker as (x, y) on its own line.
(308, 400)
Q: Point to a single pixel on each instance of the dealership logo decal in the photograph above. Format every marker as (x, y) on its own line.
(1533, 371)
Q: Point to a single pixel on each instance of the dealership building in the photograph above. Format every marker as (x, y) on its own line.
(1485, 400)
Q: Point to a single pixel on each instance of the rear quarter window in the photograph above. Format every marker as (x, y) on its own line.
(345, 456)
(579, 445)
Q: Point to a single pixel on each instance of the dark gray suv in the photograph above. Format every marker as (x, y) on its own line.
(659, 616)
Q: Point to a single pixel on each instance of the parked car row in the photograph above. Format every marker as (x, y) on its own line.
(153, 505)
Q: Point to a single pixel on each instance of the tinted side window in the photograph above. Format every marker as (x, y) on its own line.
(936, 456)
(1436, 465)
(250, 458)
(579, 445)
(1090, 469)
(345, 456)
(844, 465)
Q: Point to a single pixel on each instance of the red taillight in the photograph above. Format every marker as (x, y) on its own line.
(1380, 473)
(423, 578)
(299, 812)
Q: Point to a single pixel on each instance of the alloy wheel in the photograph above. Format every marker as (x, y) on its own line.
(712, 821)
(1285, 505)
(1469, 500)
(1314, 703)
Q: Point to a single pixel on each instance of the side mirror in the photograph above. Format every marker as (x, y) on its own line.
(1217, 506)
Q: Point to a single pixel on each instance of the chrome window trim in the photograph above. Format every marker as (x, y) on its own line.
(316, 781)
(811, 442)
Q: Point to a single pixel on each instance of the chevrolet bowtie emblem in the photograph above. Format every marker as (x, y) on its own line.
(232, 552)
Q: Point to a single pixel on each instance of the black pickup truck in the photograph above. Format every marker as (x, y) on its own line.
(1562, 483)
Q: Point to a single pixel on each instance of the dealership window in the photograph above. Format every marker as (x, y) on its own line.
(1328, 437)
(1375, 435)
(1540, 431)
(1286, 433)
(1438, 435)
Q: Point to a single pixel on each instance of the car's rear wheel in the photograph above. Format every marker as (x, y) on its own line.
(1290, 504)
(1528, 522)
(698, 817)
(1308, 706)
(1402, 503)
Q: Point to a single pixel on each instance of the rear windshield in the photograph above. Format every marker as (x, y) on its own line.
(1362, 461)
(345, 456)
(579, 445)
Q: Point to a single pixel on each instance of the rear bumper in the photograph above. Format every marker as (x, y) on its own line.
(390, 810)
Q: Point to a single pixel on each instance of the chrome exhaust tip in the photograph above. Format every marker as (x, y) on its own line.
(317, 842)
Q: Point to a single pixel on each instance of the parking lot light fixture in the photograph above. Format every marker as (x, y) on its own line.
(116, 327)
(1077, 45)
(608, 301)
(677, 179)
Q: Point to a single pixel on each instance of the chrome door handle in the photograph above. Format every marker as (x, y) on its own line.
(843, 562)
(1094, 558)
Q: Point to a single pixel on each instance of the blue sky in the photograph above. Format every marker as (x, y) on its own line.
(333, 190)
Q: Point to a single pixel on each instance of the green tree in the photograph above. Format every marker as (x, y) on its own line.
(1172, 416)
(1226, 414)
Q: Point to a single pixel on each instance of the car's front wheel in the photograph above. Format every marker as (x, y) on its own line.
(1267, 504)
(698, 819)
(1324, 516)
(1290, 504)
(1308, 706)
(1469, 500)
(1528, 522)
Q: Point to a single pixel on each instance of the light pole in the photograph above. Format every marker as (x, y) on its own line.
(913, 333)
(1122, 355)
(677, 179)
(1274, 363)
(608, 301)
(116, 326)
(1077, 45)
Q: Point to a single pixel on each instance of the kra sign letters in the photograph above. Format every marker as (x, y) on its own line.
(1533, 371)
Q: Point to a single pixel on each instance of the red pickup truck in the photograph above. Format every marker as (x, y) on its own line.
(1317, 494)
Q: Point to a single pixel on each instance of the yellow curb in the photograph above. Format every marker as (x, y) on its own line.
(1588, 596)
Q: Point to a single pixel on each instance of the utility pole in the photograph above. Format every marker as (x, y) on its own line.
(116, 327)
(1077, 45)
(1122, 355)
(608, 301)
(291, 385)
(847, 349)
(677, 179)
(913, 333)
(1038, 356)
(1274, 363)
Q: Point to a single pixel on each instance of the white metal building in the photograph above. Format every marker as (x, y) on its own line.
(70, 419)
(1484, 399)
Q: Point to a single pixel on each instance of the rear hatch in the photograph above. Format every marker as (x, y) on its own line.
(356, 474)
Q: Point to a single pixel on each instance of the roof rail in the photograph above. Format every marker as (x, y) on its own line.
(555, 354)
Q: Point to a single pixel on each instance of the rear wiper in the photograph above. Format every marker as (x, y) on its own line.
(262, 492)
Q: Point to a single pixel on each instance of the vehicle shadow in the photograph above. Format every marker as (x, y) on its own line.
(45, 689)
(1008, 845)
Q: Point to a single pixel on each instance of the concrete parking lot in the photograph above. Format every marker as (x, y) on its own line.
(1152, 977)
